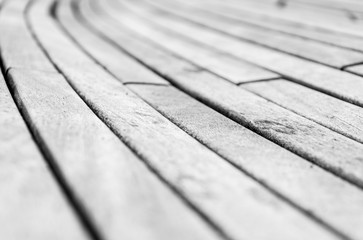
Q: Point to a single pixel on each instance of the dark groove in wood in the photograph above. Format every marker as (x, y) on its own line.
(72, 198)
(262, 183)
(214, 226)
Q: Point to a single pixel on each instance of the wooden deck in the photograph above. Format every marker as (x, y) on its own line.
(181, 120)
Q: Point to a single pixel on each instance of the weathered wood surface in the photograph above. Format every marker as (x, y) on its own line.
(337, 83)
(319, 52)
(333, 113)
(240, 146)
(32, 205)
(296, 133)
(271, 23)
(166, 150)
(128, 121)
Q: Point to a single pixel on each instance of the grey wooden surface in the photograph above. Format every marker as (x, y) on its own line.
(180, 120)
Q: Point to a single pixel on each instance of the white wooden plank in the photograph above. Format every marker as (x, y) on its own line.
(333, 113)
(115, 61)
(99, 167)
(306, 185)
(326, 148)
(235, 70)
(32, 204)
(266, 22)
(337, 83)
(298, 16)
(230, 202)
(304, 48)
(18, 48)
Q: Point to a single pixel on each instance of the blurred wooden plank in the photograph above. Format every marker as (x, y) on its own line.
(306, 18)
(302, 48)
(194, 175)
(334, 82)
(307, 186)
(339, 116)
(320, 145)
(231, 68)
(270, 23)
(18, 48)
(32, 204)
(112, 59)
(357, 69)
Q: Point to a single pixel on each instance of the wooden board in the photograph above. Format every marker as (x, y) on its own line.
(18, 48)
(233, 69)
(304, 18)
(303, 48)
(32, 204)
(320, 145)
(305, 185)
(330, 112)
(98, 166)
(112, 59)
(337, 83)
(266, 22)
(194, 175)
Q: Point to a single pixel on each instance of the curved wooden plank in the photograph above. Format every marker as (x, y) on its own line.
(330, 150)
(307, 186)
(115, 61)
(195, 175)
(301, 48)
(99, 167)
(340, 84)
(233, 69)
(333, 113)
(32, 205)
(18, 48)
(270, 23)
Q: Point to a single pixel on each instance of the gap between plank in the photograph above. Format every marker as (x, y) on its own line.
(214, 227)
(307, 213)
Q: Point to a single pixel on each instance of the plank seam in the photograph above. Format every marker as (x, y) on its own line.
(262, 183)
(214, 227)
(80, 211)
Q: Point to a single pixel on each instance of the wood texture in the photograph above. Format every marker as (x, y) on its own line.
(32, 205)
(303, 48)
(271, 23)
(333, 113)
(306, 185)
(328, 149)
(193, 174)
(114, 60)
(337, 83)
(18, 48)
(233, 69)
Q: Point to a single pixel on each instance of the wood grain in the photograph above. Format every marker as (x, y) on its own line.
(330, 150)
(303, 48)
(195, 175)
(98, 166)
(336, 83)
(330, 112)
(298, 16)
(115, 61)
(233, 69)
(306, 185)
(18, 48)
(271, 23)
(32, 205)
